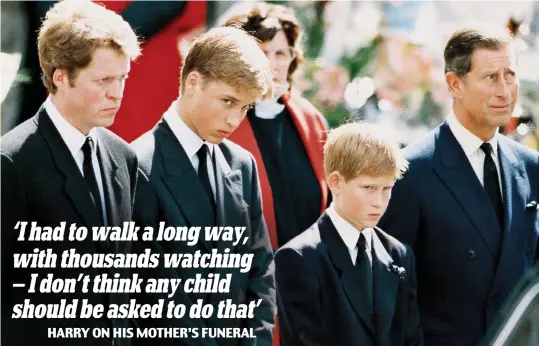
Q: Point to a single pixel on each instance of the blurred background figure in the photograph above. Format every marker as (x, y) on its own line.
(285, 134)
(14, 36)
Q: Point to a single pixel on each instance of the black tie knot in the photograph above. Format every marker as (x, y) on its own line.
(202, 154)
(487, 148)
(87, 147)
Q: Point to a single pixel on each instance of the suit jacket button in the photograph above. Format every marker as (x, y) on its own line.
(490, 304)
(471, 254)
(528, 249)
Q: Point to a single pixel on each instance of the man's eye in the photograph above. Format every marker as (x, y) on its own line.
(227, 102)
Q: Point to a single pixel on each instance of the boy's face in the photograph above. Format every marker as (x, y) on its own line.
(363, 200)
(217, 108)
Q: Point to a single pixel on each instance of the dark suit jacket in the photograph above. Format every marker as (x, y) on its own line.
(175, 195)
(317, 292)
(466, 266)
(41, 182)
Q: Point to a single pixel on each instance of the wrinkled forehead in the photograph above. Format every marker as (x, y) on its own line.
(504, 57)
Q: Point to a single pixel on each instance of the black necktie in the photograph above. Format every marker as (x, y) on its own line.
(364, 266)
(204, 177)
(89, 177)
(491, 183)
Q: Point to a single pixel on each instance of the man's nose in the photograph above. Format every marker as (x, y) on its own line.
(116, 90)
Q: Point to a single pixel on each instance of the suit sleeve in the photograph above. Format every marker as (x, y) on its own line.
(301, 320)
(13, 210)
(401, 218)
(147, 214)
(414, 333)
(261, 283)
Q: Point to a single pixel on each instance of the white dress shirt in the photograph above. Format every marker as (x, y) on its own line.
(190, 141)
(471, 144)
(74, 139)
(350, 234)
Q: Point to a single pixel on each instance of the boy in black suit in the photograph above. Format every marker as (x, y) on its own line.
(344, 281)
(196, 177)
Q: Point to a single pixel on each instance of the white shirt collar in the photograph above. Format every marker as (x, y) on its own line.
(73, 138)
(348, 233)
(188, 139)
(469, 142)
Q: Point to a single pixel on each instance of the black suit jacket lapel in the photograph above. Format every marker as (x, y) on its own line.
(182, 180)
(513, 177)
(386, 284)
(348, 273)
(229, 197)
(111, 184)
(75, 186)
(455, 170)
(112, 187)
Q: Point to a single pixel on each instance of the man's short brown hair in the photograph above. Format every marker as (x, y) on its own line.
(231, 56)
(460, 47)
(73, 30)
(264, 21)
(362, 149)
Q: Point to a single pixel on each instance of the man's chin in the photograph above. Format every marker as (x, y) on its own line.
(214, 139)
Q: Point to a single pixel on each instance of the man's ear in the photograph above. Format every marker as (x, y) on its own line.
(334, 180)
(455, 84)
(193, 81)
(60, 78)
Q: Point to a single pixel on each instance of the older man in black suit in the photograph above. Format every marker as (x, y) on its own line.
(62, 166)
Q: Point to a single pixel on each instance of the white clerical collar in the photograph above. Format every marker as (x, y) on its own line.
(73, 138)
(270, 108)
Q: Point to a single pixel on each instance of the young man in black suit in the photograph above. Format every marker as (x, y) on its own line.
(199, 178)
(62, 166)
(344, 281)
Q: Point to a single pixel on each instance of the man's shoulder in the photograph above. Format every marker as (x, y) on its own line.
(145, 147)
(306, 242)
(422, 149)
(23, 138)
(236, 156)
(522, 153)
(114, 142)
(393, 246)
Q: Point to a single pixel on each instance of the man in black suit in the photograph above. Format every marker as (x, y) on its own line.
(343, 281)
(61, 166)
(468, 205)
(198, 178)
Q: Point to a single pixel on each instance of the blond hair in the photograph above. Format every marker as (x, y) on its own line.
(362, 149)
(73, 30)
(231, 56)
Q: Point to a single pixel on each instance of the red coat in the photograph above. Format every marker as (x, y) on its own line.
(312, 130)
